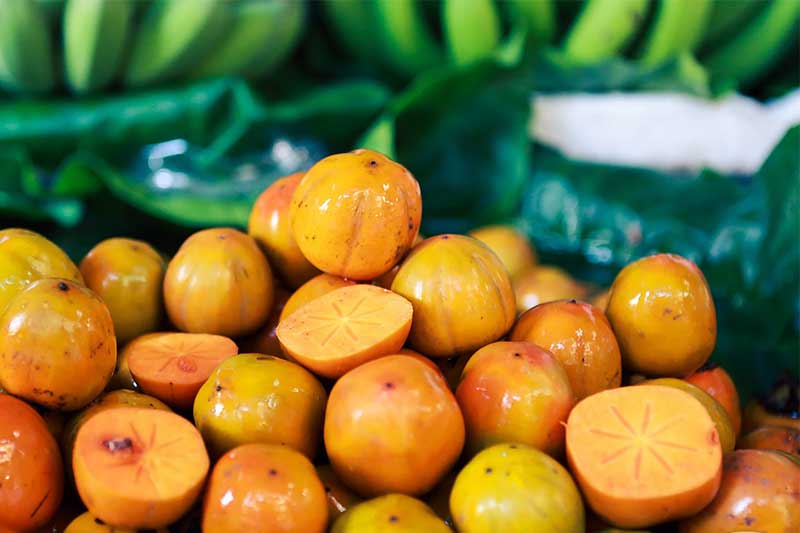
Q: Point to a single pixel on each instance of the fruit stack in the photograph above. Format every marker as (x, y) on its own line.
(331, 370)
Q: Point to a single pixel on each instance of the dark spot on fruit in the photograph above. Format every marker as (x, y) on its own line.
(218, 388)
(573, 301)
(99, 522)
(446, 237)
(713, 437)
(135, 247)
(118, 445)
(517, 355)
(676, 317)
(221, 237)
(327, 489)
(749, 520)
(488, 470)
(411, 226)
(373, 163)
(393, 519)
(388, 385)
(667, 311)
(39, 505)
(63, 287)
(273, 472)
(513, 446)
(264, 358)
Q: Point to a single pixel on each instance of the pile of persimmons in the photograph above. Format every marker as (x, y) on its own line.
(330, 370)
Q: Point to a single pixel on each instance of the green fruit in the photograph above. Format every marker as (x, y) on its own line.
(472, 29)
(677, 28)
(95, 33)
(397, 513)
(603, 28)
(26, 61)
(407, 44)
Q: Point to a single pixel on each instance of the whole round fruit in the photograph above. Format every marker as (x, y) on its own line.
(31, 474)
(718, 384)
(219, 282)
(781, 407)
(514, 392)
(514, 488)
(543, 284)
(128, 275)
(393, 512)
(88, 523)
(265, 340)
(461, 294)
(772, 438)
(356, 214)
(254, 398)
(26, 256)
(663, 314)
(580, 337)
(262, 488)
(57, 345)
(392, 425)
(269, 226)
(511, 247)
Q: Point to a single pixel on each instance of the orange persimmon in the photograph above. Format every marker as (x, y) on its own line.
(644, 455)
(265, 340)
(139, 468)
(269, 226)
(264, 488)
(311, 290)
(345, 328)
(718, 384)
(544, 283)
(173, 366)
(86, 523)
(31, 473)
(772, 438)
(512, 247)
(377, 416)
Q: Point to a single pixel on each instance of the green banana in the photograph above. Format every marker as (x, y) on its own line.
(602, 29)
(678, 27)
(407, 45)
(95, 33)
(173, 37)
(26, 56)
(354, 23)
(727, 17)
(261, 35)
(538, 15)
(758, 45)
(472, 29)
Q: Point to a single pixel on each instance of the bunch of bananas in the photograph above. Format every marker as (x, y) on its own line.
(141, 42)
(735, 39)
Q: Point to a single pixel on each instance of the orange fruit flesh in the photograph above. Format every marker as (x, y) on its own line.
(173, 366)
(139, 468)
(345, 328)
(644, 455)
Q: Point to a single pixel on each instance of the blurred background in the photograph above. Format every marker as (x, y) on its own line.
(604, 129)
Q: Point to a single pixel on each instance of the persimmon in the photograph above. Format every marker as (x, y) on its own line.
(600, 299)
(663, 314)
(173, 366)
(514, 488)
(580, 337)
(772, 438)
(26, 256)
(644, 455)
(514, 392)
(393, 512)
(265, 340)
(311, 290)
(512, 247)
(759, 492)
(713, 379)
(57, 345)
(139, 468)
(781, 407)
(356, 214)
(727, 436)
(264, 488)
(128, 275)
(220, 283)
(376, 418)
(385, 280)
(87, 523)
(461, 294)
(254, 398)
(345, 328)
(543, 284)
(340, 498)
(31, 473)
(269, 226)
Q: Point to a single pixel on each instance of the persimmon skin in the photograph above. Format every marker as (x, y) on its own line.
(265, 340)
(26, 256)
(86, 523)
(128, 275)
(600, 300)
(269, 225)
(772, 438)
(758, 493)
(254, 398)
(514, 488)
(543, 284)
(314, 288)
(290, 496)
(219, 282)
(340, 498)
(580, 337)
(376, 418)
(31, 472)
(57, 345)
(393, 512)
(356, 214)
(514, 392)
(663, 314)
(511, 247)
(719, 385)
(461, 294)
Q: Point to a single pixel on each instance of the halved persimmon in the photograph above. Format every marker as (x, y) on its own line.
(644, 455)
(139, 468)
(345, 328)
(173, 366)
(311, 290)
